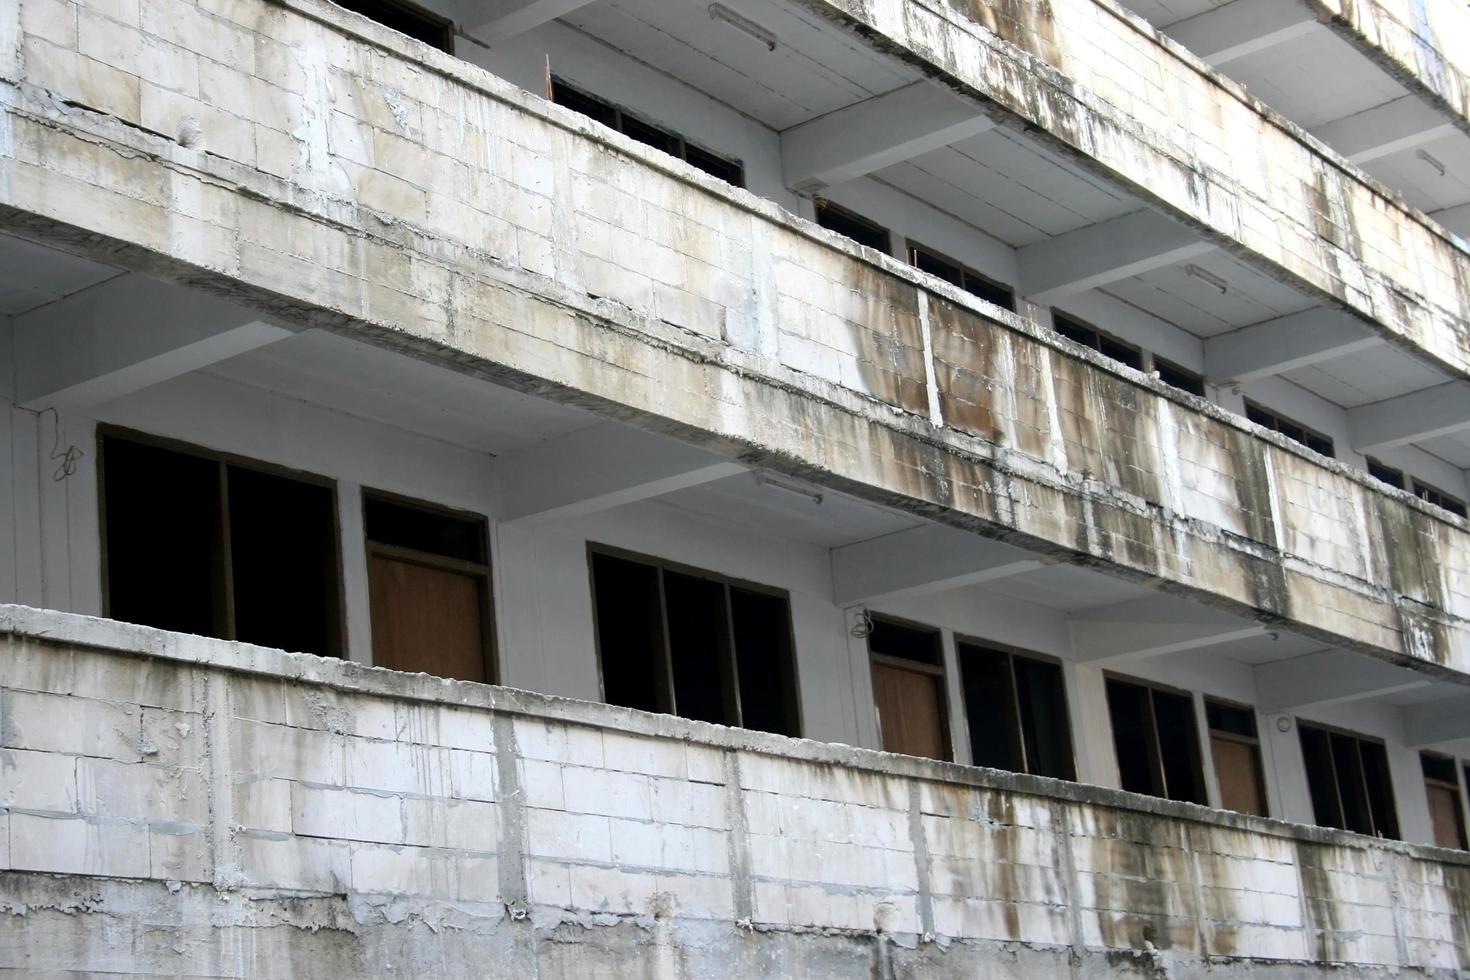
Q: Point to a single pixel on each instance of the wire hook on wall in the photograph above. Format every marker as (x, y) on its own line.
(68, 458)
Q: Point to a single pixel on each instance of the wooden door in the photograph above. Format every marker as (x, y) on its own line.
(426, 619)
(910, 711)
(1444, 815)
(1238, 770)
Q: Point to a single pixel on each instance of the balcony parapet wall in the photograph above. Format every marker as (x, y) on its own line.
(1105, 88)
(341, 176)
(247, 811)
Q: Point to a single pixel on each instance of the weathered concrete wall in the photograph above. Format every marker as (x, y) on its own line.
(1101, 84)
(223, 809)
(434, 208)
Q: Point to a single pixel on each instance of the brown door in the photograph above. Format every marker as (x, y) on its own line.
(910, 711)
(1444, 815)
(1238, 768)
(426, 619)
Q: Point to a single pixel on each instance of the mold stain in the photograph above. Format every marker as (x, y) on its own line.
(882, 316)
(1028, 24)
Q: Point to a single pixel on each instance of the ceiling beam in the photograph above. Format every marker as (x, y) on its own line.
(1328, 677)
(494, 21)
(1242, 28)
(879, 132)
(1104, 253)
(598, 468)
(1152, 627)
(1402, 124)
(124, 335)
(1419, 415)
(1436, 722)
(920, 561)
(1285, 344)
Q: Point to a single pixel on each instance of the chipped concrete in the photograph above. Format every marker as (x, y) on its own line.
(848, 862)
(805, 354)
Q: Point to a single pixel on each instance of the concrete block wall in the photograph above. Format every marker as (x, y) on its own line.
(394, 193)
(235, 810)
(1104, 86)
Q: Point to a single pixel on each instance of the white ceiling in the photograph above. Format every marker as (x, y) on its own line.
(778, 512)
(33, 275)
(1193, 304)
(813, 71)
(407, 393)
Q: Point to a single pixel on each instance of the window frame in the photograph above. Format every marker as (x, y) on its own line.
(441, 27)
(1154, 741)
(1380, 471)
(791, 684)
(1101, 337)
(1161, 364)
(911, 254)
(223, 459)
(820, 204)
(483, 572)
(1277, 420)
(619, 114)
(936, 670)
(1393, 803)
(1458, 787)
(1434, 496)
(1012, 653)
(1254, 741)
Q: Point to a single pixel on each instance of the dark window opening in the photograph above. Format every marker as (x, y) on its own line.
(1089, 336)
(1386, 474)
(1178, 377)
(854, 226)
(1439, 498)
(693, 644)
(406, 18)
(196, 543)
(1157, 742)
(1295, 431)
(1349, 782)
(1016, 707)
(428, 589)
(959, 275)
(648, 133)
(1446, 813)
(1236, 750)
(907, 665)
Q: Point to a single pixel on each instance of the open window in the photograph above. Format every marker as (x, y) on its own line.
(836, 218)
(1235, 748)
(1016, 710)
(203, 543)
(907, 664)
(1104, 343)
(691, 643)
(1446, 812)
(429, 589)
(645, 132)
(927, 260)
(406, 18)
(1293, 430)
(1439, 498)
(1349, 781)
(1156, 737)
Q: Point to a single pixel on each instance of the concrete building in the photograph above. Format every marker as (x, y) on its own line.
(483, 484)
